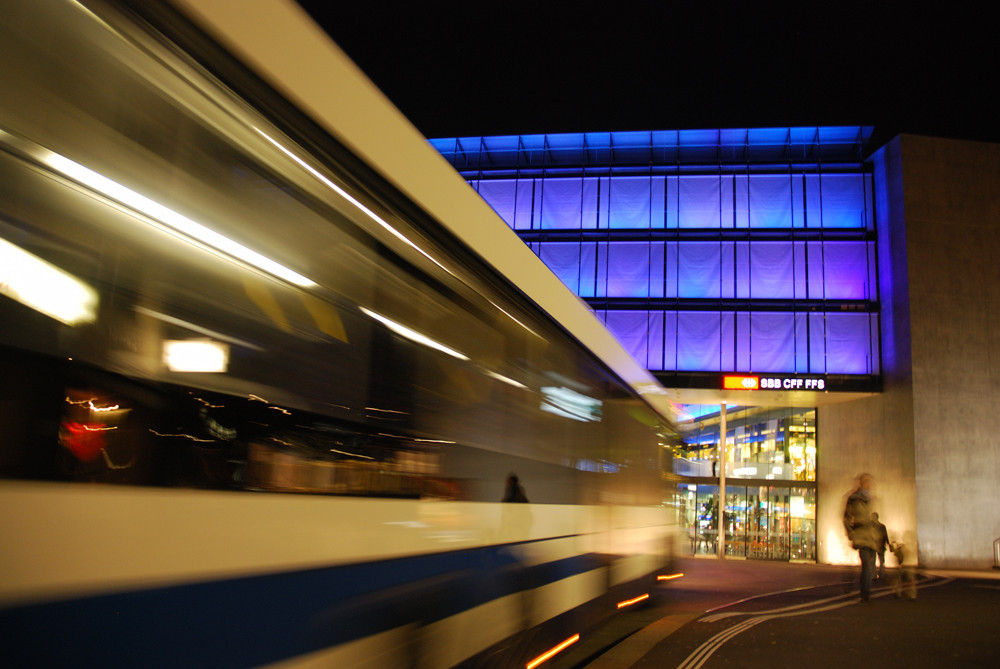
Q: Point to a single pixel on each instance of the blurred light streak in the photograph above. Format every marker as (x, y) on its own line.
(634, 600)
(512, 382)
(669, 577)
(214, 334)
(413, 335)
(182, 436)
(45, 288)
(353, 455)
(174, 222)
(415, 439)
(347, 196)
(549, 654)
(373, 216)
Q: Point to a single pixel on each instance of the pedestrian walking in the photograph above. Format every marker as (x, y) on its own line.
(861, 531)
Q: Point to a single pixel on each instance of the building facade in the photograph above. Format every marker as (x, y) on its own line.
(760, 275)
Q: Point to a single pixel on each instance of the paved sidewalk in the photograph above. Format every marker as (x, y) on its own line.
(765, 614)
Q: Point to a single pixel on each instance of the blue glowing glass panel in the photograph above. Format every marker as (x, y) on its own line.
(699, 202)
(634, 201)
(669, 340)
(635, 269)
(728, 329)
(771, 270)
(699, 267)
(801, 343)
(657, 341)
(773, 342)
(835, 201)
(561, 203)
(699, 341)
(770, 201)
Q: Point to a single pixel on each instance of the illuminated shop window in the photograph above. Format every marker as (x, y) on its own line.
(765, 444)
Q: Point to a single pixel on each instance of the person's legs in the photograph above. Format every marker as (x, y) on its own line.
(867, 571)
(881, 565)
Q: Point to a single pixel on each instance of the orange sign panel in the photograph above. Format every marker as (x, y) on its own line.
(740, 382)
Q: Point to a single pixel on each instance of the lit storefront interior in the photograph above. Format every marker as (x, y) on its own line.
(770, 470)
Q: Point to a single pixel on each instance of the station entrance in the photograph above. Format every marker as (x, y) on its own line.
(770, 488)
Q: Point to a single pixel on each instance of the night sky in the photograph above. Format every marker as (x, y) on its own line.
(480, 68)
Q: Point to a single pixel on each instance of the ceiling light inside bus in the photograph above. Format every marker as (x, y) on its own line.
(195, 355)
(45, 288)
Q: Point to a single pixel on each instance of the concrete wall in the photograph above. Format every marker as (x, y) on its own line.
(952, 201)
(932, 439)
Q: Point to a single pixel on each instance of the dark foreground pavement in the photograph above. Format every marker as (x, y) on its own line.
(773, 615)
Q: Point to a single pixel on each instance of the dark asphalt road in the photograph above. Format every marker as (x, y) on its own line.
(761, 614)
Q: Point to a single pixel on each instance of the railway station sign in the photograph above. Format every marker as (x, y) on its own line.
(773, 382)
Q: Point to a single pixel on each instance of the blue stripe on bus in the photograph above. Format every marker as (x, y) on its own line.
(255, 620)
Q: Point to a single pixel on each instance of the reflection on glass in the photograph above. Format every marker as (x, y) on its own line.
(768, 444)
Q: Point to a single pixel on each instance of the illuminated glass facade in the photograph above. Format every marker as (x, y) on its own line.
(705, 252)
(746, 250)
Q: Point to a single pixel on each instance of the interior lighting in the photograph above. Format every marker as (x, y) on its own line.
(28, 279)
(168, 219)
(413, 335)
(549, 654)
(634, 600)
(195, 355)
(669, 577)
(512, 382)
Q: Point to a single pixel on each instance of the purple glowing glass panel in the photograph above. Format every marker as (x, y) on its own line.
(843, 272)
(773, 342)
(635, 269)
(841, 343)
(631, 329)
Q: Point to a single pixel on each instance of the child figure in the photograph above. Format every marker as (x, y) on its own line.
(907, 575)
